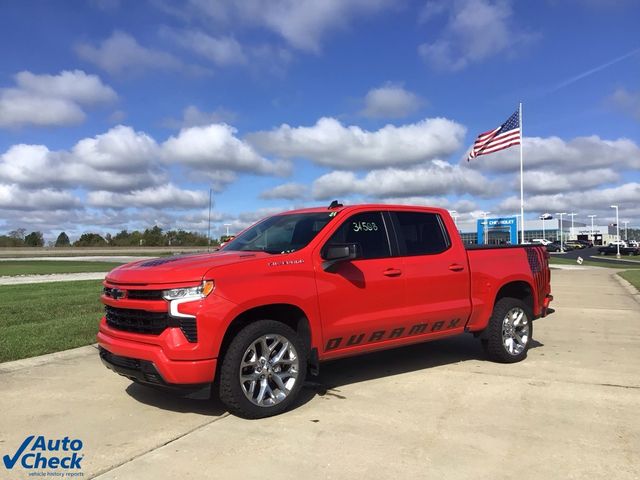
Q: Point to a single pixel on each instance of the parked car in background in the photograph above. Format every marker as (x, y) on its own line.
(574, 244)
(586, 243)
(634, 243)
(541, 241)
(555, 247)
(622, 243)
(612, 249)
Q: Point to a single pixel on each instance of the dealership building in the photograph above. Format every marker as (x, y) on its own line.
(506, 230)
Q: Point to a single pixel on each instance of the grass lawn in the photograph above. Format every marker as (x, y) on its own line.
(591, 263)
(34, 267)
(48, 317)
(633, 277)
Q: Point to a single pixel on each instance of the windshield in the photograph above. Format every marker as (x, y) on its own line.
(281, 233)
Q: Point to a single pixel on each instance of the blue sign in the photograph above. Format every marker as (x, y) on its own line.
(502, 224)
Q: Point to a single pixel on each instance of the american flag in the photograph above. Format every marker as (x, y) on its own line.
(505, 136)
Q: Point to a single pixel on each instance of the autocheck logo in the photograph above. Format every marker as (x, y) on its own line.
(40, 453)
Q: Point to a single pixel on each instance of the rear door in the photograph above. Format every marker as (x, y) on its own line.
(436, 272)
(362, 299)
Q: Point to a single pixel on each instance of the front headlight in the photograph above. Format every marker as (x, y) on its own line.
(200, 291)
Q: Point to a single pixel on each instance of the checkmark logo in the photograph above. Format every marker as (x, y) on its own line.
(10, 462)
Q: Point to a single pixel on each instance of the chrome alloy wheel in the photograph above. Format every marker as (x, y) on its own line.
(515, 331)
(269, 370)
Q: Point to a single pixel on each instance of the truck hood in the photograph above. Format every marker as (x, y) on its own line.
(177, 269)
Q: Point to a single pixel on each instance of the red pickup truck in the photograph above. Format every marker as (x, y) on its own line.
(306, 286)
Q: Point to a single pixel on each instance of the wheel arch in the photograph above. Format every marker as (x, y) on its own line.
(520, 289)
(287, 313)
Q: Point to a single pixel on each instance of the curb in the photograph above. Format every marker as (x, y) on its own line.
(31, 362)
(635, 294)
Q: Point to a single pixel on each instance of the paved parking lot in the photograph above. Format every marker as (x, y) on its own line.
(436, 410)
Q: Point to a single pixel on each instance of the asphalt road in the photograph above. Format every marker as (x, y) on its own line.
(593, 255)
(436, 410)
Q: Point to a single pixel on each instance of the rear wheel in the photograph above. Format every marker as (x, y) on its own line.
(262, 370)
(510, 330)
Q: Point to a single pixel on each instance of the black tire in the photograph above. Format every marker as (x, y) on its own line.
(232, 393)
(494, 337)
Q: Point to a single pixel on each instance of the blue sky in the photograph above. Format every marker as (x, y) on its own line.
(122, 114)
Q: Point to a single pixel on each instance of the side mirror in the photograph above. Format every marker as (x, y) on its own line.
(339, 253)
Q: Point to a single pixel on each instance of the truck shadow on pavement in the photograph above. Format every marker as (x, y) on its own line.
(333, 374)
(396, 361)
(200, 402)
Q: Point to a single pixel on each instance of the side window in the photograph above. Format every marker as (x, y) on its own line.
(421, 233)
(367, 230)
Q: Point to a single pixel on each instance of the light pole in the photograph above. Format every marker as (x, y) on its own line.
(227, 225)
(486, 231)
(617, 230)
(561, 244)
(593, 232)
(455, 216)
(626, 222)
(571, 215)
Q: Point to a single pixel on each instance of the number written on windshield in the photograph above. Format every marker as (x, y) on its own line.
(365, 227)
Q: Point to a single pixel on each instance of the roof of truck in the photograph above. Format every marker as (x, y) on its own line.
(376, 206)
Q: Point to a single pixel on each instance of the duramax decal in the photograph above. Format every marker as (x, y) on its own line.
(417, 329)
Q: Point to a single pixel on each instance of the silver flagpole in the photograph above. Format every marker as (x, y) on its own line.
(521, 180)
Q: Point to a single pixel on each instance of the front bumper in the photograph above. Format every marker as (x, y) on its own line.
(147, 363)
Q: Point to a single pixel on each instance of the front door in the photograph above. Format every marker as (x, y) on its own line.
(360, 300)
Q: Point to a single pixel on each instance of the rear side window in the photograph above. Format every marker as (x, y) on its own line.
(367, 230)
(421, 233)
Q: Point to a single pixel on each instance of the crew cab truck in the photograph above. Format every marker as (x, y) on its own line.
(311, 285)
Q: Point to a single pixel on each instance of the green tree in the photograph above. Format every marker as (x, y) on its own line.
(18, 234)
(34, 239)
(90, 240)
(62, 240)
(153, 237)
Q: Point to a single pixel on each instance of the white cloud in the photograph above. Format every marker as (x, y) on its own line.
(330, 143)
(168, 196)
(459, 205)
(390, 101)
(120, 149)
(121, 53)
(558, 155)
(287, 191)
(215, 147)
(192, 116)
(439, 178)
(595, 201)
(626, 101)
(301, 23)
(222, 51)
(474, 31)
(118, 160)
(539, 182)
(51, 100)
(14, 197)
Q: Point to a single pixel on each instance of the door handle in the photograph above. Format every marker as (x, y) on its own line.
(392, 272)
(454, 267)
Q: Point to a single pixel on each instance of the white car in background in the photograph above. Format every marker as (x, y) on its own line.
(622, 243)
(541, 241)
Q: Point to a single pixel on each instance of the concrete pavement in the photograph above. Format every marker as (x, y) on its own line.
(437, 410)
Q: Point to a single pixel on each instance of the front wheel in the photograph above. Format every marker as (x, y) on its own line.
(262, 370)
(510, 330)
